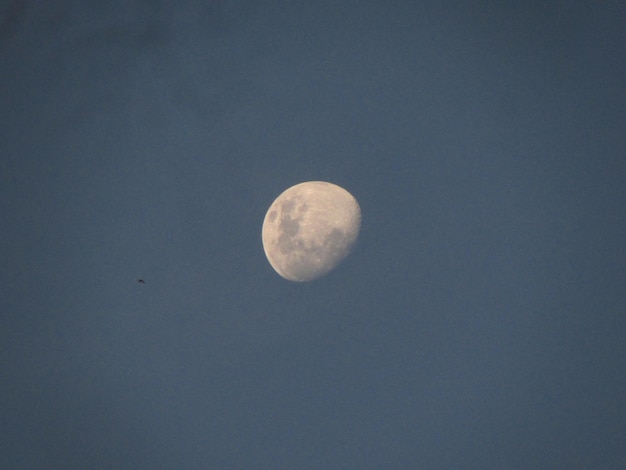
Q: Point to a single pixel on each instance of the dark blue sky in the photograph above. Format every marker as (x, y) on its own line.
(478, 324)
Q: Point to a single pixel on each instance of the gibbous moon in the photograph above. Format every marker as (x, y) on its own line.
(309, 229)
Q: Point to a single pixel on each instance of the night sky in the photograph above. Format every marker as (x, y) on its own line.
(480, 322)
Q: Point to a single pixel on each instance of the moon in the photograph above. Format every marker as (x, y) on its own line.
(309, 229)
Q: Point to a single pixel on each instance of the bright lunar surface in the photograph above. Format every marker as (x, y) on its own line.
(309, 229)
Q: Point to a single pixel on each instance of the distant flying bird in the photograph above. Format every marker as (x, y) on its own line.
(141, 281)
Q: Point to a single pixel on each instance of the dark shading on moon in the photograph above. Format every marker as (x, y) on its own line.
(309, 229)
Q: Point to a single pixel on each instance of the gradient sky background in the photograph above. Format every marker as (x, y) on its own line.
(480, 322)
